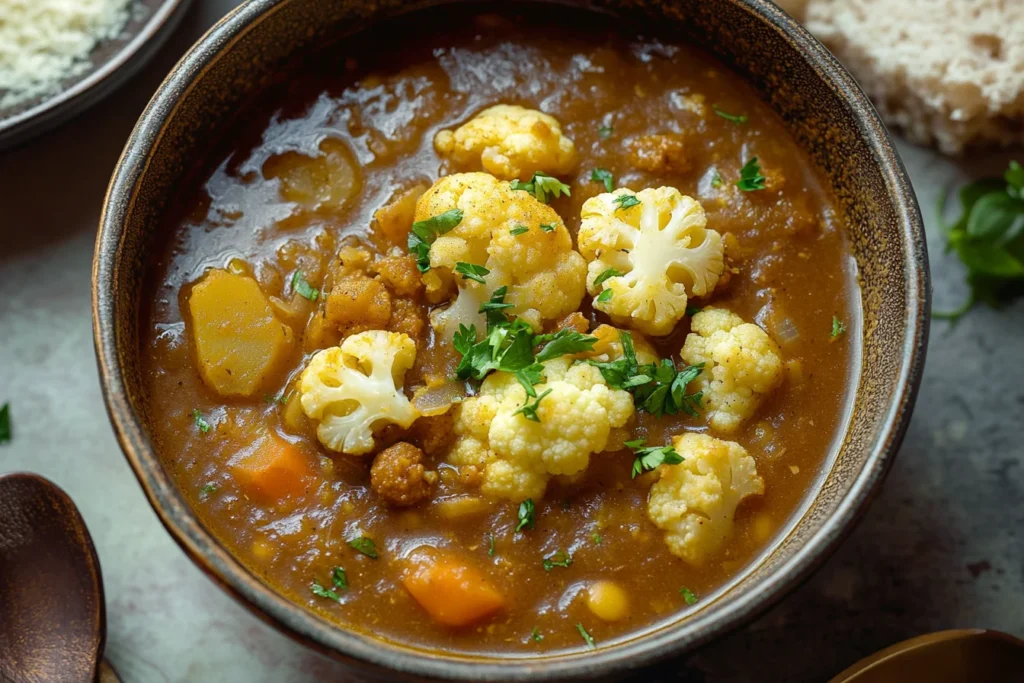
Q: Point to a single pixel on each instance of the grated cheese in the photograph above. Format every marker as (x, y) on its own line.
(43, 42)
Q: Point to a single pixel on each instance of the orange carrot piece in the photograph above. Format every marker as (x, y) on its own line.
(273, 469)
(452, 592)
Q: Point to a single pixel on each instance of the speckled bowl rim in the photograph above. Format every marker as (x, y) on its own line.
(360, 649)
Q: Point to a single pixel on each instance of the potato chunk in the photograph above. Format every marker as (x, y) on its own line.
(323, 182)
(357, 304)
(239, 342)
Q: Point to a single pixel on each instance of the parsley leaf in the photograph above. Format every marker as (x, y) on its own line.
(734, 118)
(471, 271)
(303, 288)
(424, 233)
(606, 274)
(837, 328)
(322, 592)
(519, 230)
(200, 421)
(603, 175)
(716, 180)
(536, 635)
(339, 578)
(207, 489)
(527, 513)
(547, 227)
(596, 538)
(365, 545)
(490, 545)
(604, 132)
(530, 411)
(750, 177)
(563, 343)
(559, 559)
(626, 201)
(340, 581)
(648, 458)
(688, 596)
(541, 185)
(586, 636)
(5, 423)
(604, 296)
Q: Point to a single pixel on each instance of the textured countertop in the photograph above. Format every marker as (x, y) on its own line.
(942, 546)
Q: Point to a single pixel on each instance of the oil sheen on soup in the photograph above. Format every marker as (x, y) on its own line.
(521, 340)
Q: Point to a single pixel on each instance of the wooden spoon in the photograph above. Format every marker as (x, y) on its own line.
(52, 612)
(974, 655)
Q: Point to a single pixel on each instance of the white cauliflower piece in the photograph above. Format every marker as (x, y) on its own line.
(741, 364)
(695, 501)
(544, 275)
(509, 142)
(355, 389)
(517, 456)
(662, 249)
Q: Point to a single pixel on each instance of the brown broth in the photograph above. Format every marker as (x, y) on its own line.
(793, 264)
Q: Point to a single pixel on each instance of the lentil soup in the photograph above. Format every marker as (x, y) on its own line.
(429, 370)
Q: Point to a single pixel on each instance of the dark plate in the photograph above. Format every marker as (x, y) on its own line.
(112, 63)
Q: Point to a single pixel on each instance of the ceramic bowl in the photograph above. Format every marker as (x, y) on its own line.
(825, 111)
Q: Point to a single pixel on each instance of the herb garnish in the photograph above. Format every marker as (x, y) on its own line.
(626, 201)
(424, 233)
(207, 490)
(547, 227)
(301, 287)
(200, 421)
(519, 230)
(605, 275)
(541, 185)
(658, 388)
(340, 581)
(750, 177)
(604, 296)
(559, 559)
(649, 457)
(536, 635)
(471, 271)
(282, 398)
(604, 132)
(527, 513)
(596, 538)
(716, 179)
(734, 118)
(688, 596)
(528, 410)
(989, 239)
(837, 328)
(586, 636)
(490, 545)
(603, 175)
(693, 310)
(365, 545)
(5, 423)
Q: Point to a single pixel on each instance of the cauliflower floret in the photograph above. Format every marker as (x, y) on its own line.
(695, 501)
(660, 246)
(544, 275)
(354, 389)
(741, 364)
(510, 142)
(518, 456)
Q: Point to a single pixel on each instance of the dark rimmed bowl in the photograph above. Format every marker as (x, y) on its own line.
(825, 111)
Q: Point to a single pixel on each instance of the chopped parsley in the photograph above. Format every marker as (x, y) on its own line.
(301, 287)
(716, 179)
(605, 275)
(688, 596)
(596, 538)
(559, 559)
(200, 421)
(604, 296)
(547, 227)
(750, 177)
(519, 230)
(207, 490)
(589, 639)
(989, 239)
(365, 545)
(734, 118)
(626, 201)
(5, 423)
(471, 271)
(490, 545)
(340, 581)
(693, 310)
(339, 577)
(603, 175)
(529, 411)
(562, 343)
(541, 185)
(657, 388)
(527, 514)
(649, 457)
(604, 131)
(837, 328)
(536, 635)
(281, 398)
(424, 233)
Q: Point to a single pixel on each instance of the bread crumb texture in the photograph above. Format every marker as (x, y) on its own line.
(44, 42)
(948, 73)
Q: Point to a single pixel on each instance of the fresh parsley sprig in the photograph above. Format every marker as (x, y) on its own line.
(751, 178)
(541, 185)
(650, 457)
(302, 287)
(527, 515)
(603, 175)
(559, 559)
(733, 118)
(626, 201)
(471, 271)
(340, 581)
(529, 410)
(424, 233)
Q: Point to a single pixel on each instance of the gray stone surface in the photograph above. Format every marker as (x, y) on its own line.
(942, 546)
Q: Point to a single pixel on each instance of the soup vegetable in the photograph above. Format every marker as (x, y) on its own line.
(525, 339)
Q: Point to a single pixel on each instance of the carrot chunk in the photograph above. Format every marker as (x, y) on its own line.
(452, 592)
(272, 469)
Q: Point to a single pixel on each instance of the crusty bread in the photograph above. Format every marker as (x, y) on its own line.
(948, 72)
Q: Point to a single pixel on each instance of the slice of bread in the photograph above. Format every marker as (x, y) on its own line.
(945, 72)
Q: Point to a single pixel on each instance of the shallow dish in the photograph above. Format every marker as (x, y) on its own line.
(825, 113)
